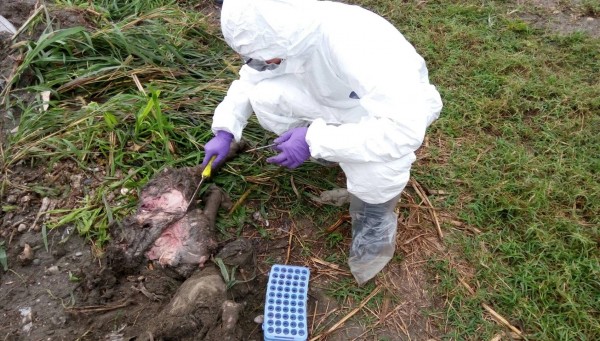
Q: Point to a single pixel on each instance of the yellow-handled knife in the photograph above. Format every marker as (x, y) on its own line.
(205, 175)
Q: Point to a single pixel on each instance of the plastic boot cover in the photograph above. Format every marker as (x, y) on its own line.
(6, 26)
(373, 237)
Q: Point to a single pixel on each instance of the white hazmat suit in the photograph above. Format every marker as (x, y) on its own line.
(348, 75)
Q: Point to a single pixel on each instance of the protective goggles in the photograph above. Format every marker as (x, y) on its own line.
(259, 65)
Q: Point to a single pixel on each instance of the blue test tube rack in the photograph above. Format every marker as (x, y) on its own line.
(285, 316)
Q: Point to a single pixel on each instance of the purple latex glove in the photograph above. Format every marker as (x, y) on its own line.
(218, 146)
(293, 147)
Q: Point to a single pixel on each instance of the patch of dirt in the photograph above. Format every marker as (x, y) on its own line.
(17, 12)
(562, 17)
(210, 8)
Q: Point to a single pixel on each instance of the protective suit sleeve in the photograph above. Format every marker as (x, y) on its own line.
(232, 113)
(391, 80)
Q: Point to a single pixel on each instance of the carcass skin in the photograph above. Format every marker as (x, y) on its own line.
(178, 243)
(162, 231)
(199, 310)
(188, 242)
(193, 310)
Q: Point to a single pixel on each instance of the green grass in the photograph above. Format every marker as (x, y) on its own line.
(346, 290)
(516, 146)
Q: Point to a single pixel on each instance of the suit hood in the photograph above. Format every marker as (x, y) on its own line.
(266, 29)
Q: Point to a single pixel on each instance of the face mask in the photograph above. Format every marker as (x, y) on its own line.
(259, 65)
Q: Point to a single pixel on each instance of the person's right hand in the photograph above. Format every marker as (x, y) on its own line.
(218, 146)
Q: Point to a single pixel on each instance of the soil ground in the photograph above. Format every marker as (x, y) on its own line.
(41, 297)
(562, 17)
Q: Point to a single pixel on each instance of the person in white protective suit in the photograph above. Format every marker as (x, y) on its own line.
(337, 83)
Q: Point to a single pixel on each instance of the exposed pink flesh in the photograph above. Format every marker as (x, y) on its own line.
(171, 201)
(169, 244)
(203, 260)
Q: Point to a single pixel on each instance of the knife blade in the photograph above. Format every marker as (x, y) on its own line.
(263, 147)
(205, 175)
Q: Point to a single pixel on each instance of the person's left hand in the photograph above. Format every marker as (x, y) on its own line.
(293, 147)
